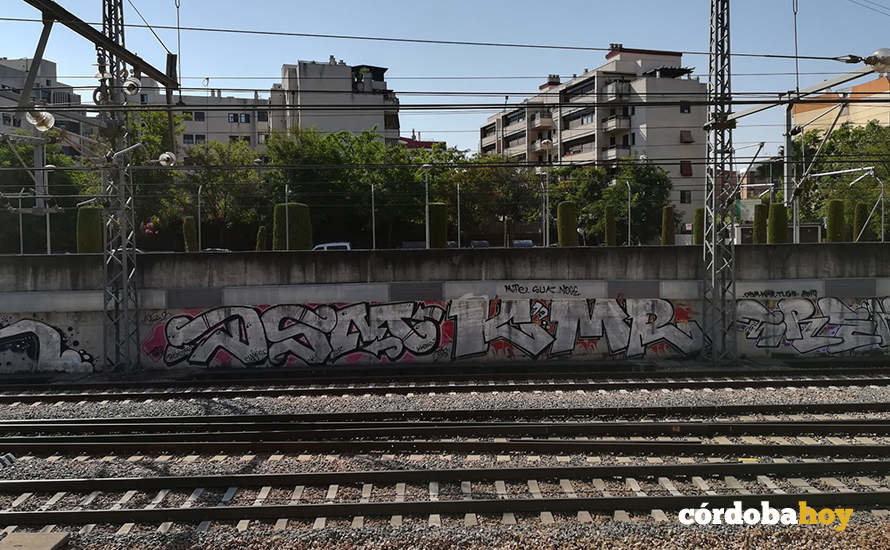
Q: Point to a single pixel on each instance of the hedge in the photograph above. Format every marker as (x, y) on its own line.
(567, 223)
(90, 238)
(296, 219)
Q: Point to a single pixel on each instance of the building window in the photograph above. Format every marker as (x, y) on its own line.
(200, 139)
(234, 139)
(244, 118)
(233, 118)
(143, 99)
(686, 136)
(198, 116)
(685, 197)
(633, 138)
(246, 139)
(685, 108)
(262, 139)
(588, 119)
(686, 168)
(7, 120)
(188, 139)
(189, 115)
(16, 122)
(262, 116)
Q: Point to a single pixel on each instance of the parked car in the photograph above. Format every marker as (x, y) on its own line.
(333, 246)
(478, 244)
(523, 243)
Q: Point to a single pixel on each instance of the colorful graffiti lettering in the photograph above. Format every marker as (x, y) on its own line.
(404, 331)
(826, 325)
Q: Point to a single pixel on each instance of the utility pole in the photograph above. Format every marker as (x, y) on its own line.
(719, 238)
(120, 299)
(121, 302)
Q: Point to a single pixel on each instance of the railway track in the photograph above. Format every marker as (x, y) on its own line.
(499, 431)
(434, 496)
(133, 391)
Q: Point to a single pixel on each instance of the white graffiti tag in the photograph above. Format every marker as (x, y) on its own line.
(42, 346)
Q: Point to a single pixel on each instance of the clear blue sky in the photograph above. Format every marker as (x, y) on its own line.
(827, 27)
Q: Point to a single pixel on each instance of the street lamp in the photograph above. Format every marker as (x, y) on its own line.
(462, 172)
(547, 147)
(426, 185)
(628, 211)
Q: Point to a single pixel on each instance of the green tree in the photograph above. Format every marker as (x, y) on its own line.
(230, 197)
(65, 185)
(650, 188)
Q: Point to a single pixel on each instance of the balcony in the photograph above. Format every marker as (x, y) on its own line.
(542, 121)
(515, 150)
(616, 91)
(586, 155)
(616, 123)
(538, 145)
(580, 131)
(489, 139)
(615, 152)
(518, 126)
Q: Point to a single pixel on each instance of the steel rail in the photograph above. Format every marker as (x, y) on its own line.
(283, 432)
(548, 446)
(385, 477)
(696, 411)
(443, 507)
(191, 391)
(469, 373)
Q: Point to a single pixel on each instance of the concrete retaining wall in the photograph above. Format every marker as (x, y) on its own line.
(275, 309)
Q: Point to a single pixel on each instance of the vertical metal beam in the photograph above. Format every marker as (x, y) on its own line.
(121, 303)
(719, 238)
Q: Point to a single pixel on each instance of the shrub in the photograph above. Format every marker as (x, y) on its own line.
(698, 227)
(835, 230)
(438, 225)
(90, 233)
(567, 223)
(261, 239)
(611, 227)
(296, 219)
(777, 224)
(190, 234)
(761, 215)
(860, 215)
(668, 227)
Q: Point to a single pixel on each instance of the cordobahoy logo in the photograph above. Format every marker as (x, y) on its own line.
(766, 515)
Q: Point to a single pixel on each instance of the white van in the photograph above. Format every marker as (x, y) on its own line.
(333, 246)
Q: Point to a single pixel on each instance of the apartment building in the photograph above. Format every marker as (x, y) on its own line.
(214, 117)
(335, 97)
(820, 116)
(603, 115)
(47, 91)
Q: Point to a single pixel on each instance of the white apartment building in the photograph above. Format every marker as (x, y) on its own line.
(47, 91)
(617, 123)
(214, 117)
(357, 99)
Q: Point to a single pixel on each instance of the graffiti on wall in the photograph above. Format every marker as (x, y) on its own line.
(825, 325)
(36, 346)
(435, 331)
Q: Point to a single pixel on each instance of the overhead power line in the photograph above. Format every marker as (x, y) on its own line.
(148, 25)
(877, 8)
(440, 106)
(428, 41)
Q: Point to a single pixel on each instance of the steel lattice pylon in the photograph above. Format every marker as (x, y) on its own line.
(719, 237)
(121, 302)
